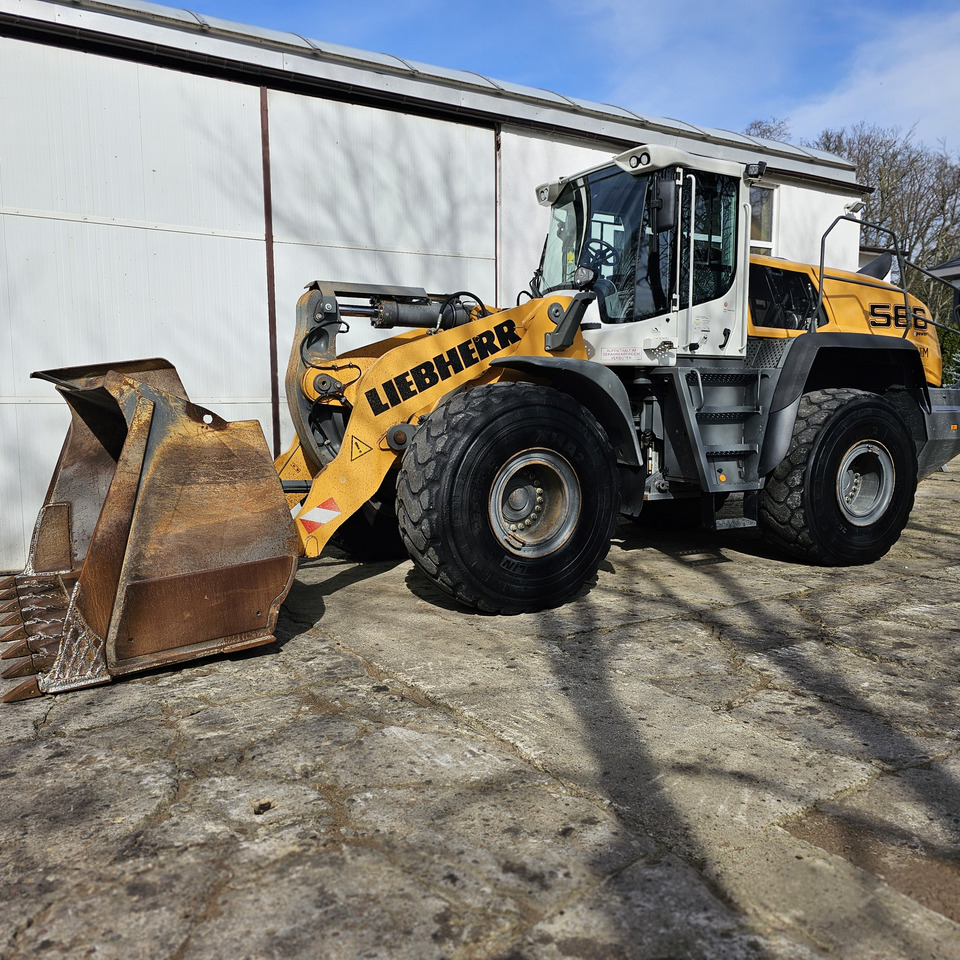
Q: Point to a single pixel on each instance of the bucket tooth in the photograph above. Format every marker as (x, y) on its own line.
(37, 644)
(31, 665)
(16, 632)
(27, 596)
(42, 610)
(27, 690)
(20, 649)
(37, 634)
(30, 589)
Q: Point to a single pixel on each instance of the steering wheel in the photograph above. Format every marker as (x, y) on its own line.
(598, 253)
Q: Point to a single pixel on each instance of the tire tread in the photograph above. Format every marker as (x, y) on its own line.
(447, 428)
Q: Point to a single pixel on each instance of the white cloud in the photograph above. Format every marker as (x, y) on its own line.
(825, 63)
(910, 79)
(699, 61)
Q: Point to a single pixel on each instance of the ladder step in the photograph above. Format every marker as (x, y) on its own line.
(734, 523)
(729, 377)
(726, 414)
(731, 450)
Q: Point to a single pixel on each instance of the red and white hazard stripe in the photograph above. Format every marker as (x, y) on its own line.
(318, 516)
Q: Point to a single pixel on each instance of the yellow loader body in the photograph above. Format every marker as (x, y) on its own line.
(853, 306)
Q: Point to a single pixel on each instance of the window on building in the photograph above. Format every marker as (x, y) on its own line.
(761, 220)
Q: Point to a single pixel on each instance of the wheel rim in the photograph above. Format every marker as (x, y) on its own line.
(865, 482)
(534, 503)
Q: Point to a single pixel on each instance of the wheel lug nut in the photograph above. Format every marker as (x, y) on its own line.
(539, 491)
(513, 528)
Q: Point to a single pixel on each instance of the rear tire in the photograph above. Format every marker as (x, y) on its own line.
(844, 492)
(507, 497)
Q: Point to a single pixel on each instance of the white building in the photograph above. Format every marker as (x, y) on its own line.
(169, 183)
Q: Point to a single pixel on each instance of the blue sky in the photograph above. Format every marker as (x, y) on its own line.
(816, 64)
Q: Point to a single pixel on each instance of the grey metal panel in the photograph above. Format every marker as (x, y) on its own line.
(615, 111)
(373, 196)
(84, 292)
(535, 94)
(135, 225)
(746, 141)
(131, 225)
(30, 439)
(458, 76)
(358, 176)
(106, 138)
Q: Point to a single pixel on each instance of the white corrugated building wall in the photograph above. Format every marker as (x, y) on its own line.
(136, 219)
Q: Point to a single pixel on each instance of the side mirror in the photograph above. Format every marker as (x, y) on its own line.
(584, 278)
(664, 204)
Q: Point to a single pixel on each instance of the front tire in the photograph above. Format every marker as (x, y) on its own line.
(508, 495)
(844, 492)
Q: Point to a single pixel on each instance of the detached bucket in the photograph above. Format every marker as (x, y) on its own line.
(164, 536)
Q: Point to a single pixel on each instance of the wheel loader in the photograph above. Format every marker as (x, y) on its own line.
(653, 370)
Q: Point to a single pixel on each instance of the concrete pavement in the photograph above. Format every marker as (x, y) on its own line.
(714, 752)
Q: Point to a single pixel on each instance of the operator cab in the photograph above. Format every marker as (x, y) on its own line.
(658, 230)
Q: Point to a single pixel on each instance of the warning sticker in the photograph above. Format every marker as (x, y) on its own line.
(620, 354)
(318, 516)
(358, 448)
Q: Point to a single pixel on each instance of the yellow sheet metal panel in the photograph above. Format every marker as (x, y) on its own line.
(404, 384)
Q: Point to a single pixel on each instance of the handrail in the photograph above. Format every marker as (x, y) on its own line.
(902, 264)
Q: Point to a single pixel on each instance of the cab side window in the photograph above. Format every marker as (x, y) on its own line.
(780, 298)
(712, 249)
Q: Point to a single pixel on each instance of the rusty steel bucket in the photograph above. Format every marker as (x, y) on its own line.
(164, 536)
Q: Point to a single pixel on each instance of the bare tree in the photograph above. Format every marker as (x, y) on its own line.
(916, 189)
(776, 128)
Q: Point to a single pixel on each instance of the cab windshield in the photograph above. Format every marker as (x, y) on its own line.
(603, 221)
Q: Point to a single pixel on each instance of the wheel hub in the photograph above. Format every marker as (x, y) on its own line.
(865, 482)
(534, 503)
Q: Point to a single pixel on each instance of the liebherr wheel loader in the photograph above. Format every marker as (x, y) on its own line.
(654, 369)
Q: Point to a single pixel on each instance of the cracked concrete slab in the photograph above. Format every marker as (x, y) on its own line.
(714, 752)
